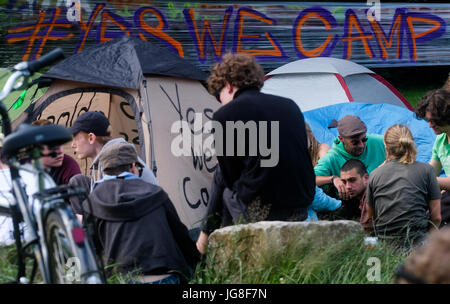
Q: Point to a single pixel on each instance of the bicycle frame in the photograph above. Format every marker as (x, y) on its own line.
(20, 197)
(34, 213)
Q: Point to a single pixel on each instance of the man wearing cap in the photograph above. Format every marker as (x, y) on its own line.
(352, 143)
(91, 133)
(138, 227)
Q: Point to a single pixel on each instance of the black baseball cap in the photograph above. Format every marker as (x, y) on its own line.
(91, 122)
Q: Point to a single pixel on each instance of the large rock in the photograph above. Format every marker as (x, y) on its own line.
(251, 242)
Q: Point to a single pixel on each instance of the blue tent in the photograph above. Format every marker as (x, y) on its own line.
(378, 118)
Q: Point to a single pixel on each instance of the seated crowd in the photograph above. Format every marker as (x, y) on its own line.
(371, 178)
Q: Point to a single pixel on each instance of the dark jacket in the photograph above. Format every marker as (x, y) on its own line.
(289, 184)
(139, 228)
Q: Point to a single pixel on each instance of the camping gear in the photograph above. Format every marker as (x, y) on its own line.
(317, 82)
(143, 89)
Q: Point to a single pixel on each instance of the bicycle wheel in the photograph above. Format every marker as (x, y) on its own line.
(70, 257)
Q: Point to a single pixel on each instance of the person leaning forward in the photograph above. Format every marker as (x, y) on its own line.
(91, 133)
(434, 107)
(242, 186)
(138, 227)
(352, 143)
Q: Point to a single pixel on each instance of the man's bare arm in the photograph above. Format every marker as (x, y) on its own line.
(337, 183)
(437, 166)
(435, 212)
(444, 183)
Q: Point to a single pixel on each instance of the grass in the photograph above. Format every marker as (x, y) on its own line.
(414, 94)
(415, 81)
(8, 265)
(345, 262)
(8, 269)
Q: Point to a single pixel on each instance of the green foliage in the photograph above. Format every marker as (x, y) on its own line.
(414, 94)
(8, 265)
(344, 262)
(8, 269)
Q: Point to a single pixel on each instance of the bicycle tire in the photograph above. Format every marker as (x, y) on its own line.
(71, 259)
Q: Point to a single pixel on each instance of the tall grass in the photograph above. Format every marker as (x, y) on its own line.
(344, 262)
(8, 260)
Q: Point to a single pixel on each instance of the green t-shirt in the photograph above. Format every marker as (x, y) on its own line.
(441, 152)
(373, 156)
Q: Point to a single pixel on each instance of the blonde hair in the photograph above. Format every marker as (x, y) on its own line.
(431, 262)
(313, 146)
(400, 144)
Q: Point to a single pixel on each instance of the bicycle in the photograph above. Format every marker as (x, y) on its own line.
(50, 228)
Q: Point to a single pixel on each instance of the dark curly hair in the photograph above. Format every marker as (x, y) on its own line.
(239, 70)
(437, 102)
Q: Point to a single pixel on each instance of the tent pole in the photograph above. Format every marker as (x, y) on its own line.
(150, 129)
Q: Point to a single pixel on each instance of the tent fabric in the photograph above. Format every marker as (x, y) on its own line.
(321, 65)
(121, 63)
(141, 112)
(309, 90)
(378, 118)
(187, 179)
(378, 93)
(114, 63)
(317, 82)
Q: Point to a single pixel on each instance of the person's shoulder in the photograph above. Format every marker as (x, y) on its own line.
(69, 159)
(375, 138)
(388, 166)
(440, 139)
(323, 149)
(336, 147)
(424, 166)
(375, 141)
(331, 154)
(281, 101)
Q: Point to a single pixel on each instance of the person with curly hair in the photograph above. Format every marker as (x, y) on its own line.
(403, 196)
(434, 107)
(244, 189)
(429, 264)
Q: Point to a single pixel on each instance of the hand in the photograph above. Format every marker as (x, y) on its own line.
(202, 242)
(343, 193)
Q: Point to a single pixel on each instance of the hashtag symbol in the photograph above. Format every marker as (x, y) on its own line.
(39, 32)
